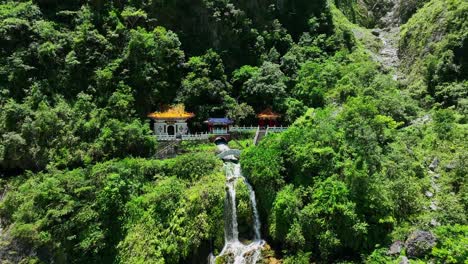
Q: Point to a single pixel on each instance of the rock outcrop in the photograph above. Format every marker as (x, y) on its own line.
(419, 243)
(395, 248)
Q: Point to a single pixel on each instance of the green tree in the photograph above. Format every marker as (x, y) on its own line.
(266, 87)
(152, 66)
(205, 86)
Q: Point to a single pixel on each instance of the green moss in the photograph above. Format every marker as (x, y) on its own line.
(221, 260)
(244, 211)
(197, 146)
(242, 143)
(433, 43)
(364, 37)
(356, 11)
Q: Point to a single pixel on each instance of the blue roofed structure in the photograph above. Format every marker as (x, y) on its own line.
(218, 126)
(219, 121)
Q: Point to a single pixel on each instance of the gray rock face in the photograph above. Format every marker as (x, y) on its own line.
(429, 194)
(419, 243)
(434, 222)
(404, 260)
(12, 250)
(434, 164)
(422, 120)
(450, 166)
(395, 248)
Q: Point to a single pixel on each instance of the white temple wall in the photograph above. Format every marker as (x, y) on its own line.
(180, 127)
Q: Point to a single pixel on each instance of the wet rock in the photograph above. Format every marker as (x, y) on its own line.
(419, 243)
(434, 164)
(429, 194)
(376, 32)
(434, 222)
(404, 260)
(437, 176)
(395, 248)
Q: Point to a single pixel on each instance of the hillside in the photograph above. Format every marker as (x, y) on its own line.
(372, 167)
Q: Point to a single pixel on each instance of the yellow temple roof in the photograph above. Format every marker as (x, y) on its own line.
(174, 112)
(268, 114)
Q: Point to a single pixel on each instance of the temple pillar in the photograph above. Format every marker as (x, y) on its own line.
(182, 127)
(159, 128)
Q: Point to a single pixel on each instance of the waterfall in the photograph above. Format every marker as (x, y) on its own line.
(234, 251)
(255, 211)
(231, 231)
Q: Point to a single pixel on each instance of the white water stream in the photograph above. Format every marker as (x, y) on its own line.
(234, 251)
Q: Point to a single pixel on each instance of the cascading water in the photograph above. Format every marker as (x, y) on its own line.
(234, 251)
(253, 201)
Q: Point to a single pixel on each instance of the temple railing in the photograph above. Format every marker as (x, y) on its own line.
(275, 129)
(166, 137)
(206, 135)
(201, 136)
(243, 128)
(218, 131)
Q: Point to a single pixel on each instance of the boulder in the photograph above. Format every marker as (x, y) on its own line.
(376, 32)
(434, 222)
(395, 248)
(450, 166)
(419, 243)
(404, 260)
(434, 164)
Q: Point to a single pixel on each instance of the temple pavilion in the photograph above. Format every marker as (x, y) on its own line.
(172, 122)
(268, 118)
(218, 125)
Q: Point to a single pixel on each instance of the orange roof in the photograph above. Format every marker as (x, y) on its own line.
(175, 112)
(268, 114)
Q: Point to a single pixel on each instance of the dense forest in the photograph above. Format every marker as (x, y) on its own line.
(372, 169)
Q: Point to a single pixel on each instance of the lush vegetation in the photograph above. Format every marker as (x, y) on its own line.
(367, 159)
(351, 174)
(342, 181)
(438, 76)
(130, 210)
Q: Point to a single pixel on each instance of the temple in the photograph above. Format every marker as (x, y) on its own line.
(268, 118)
(171, 125)
(218, 125)
(172, 122)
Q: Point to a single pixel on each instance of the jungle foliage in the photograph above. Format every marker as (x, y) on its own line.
(130, 211)
(349, 177)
